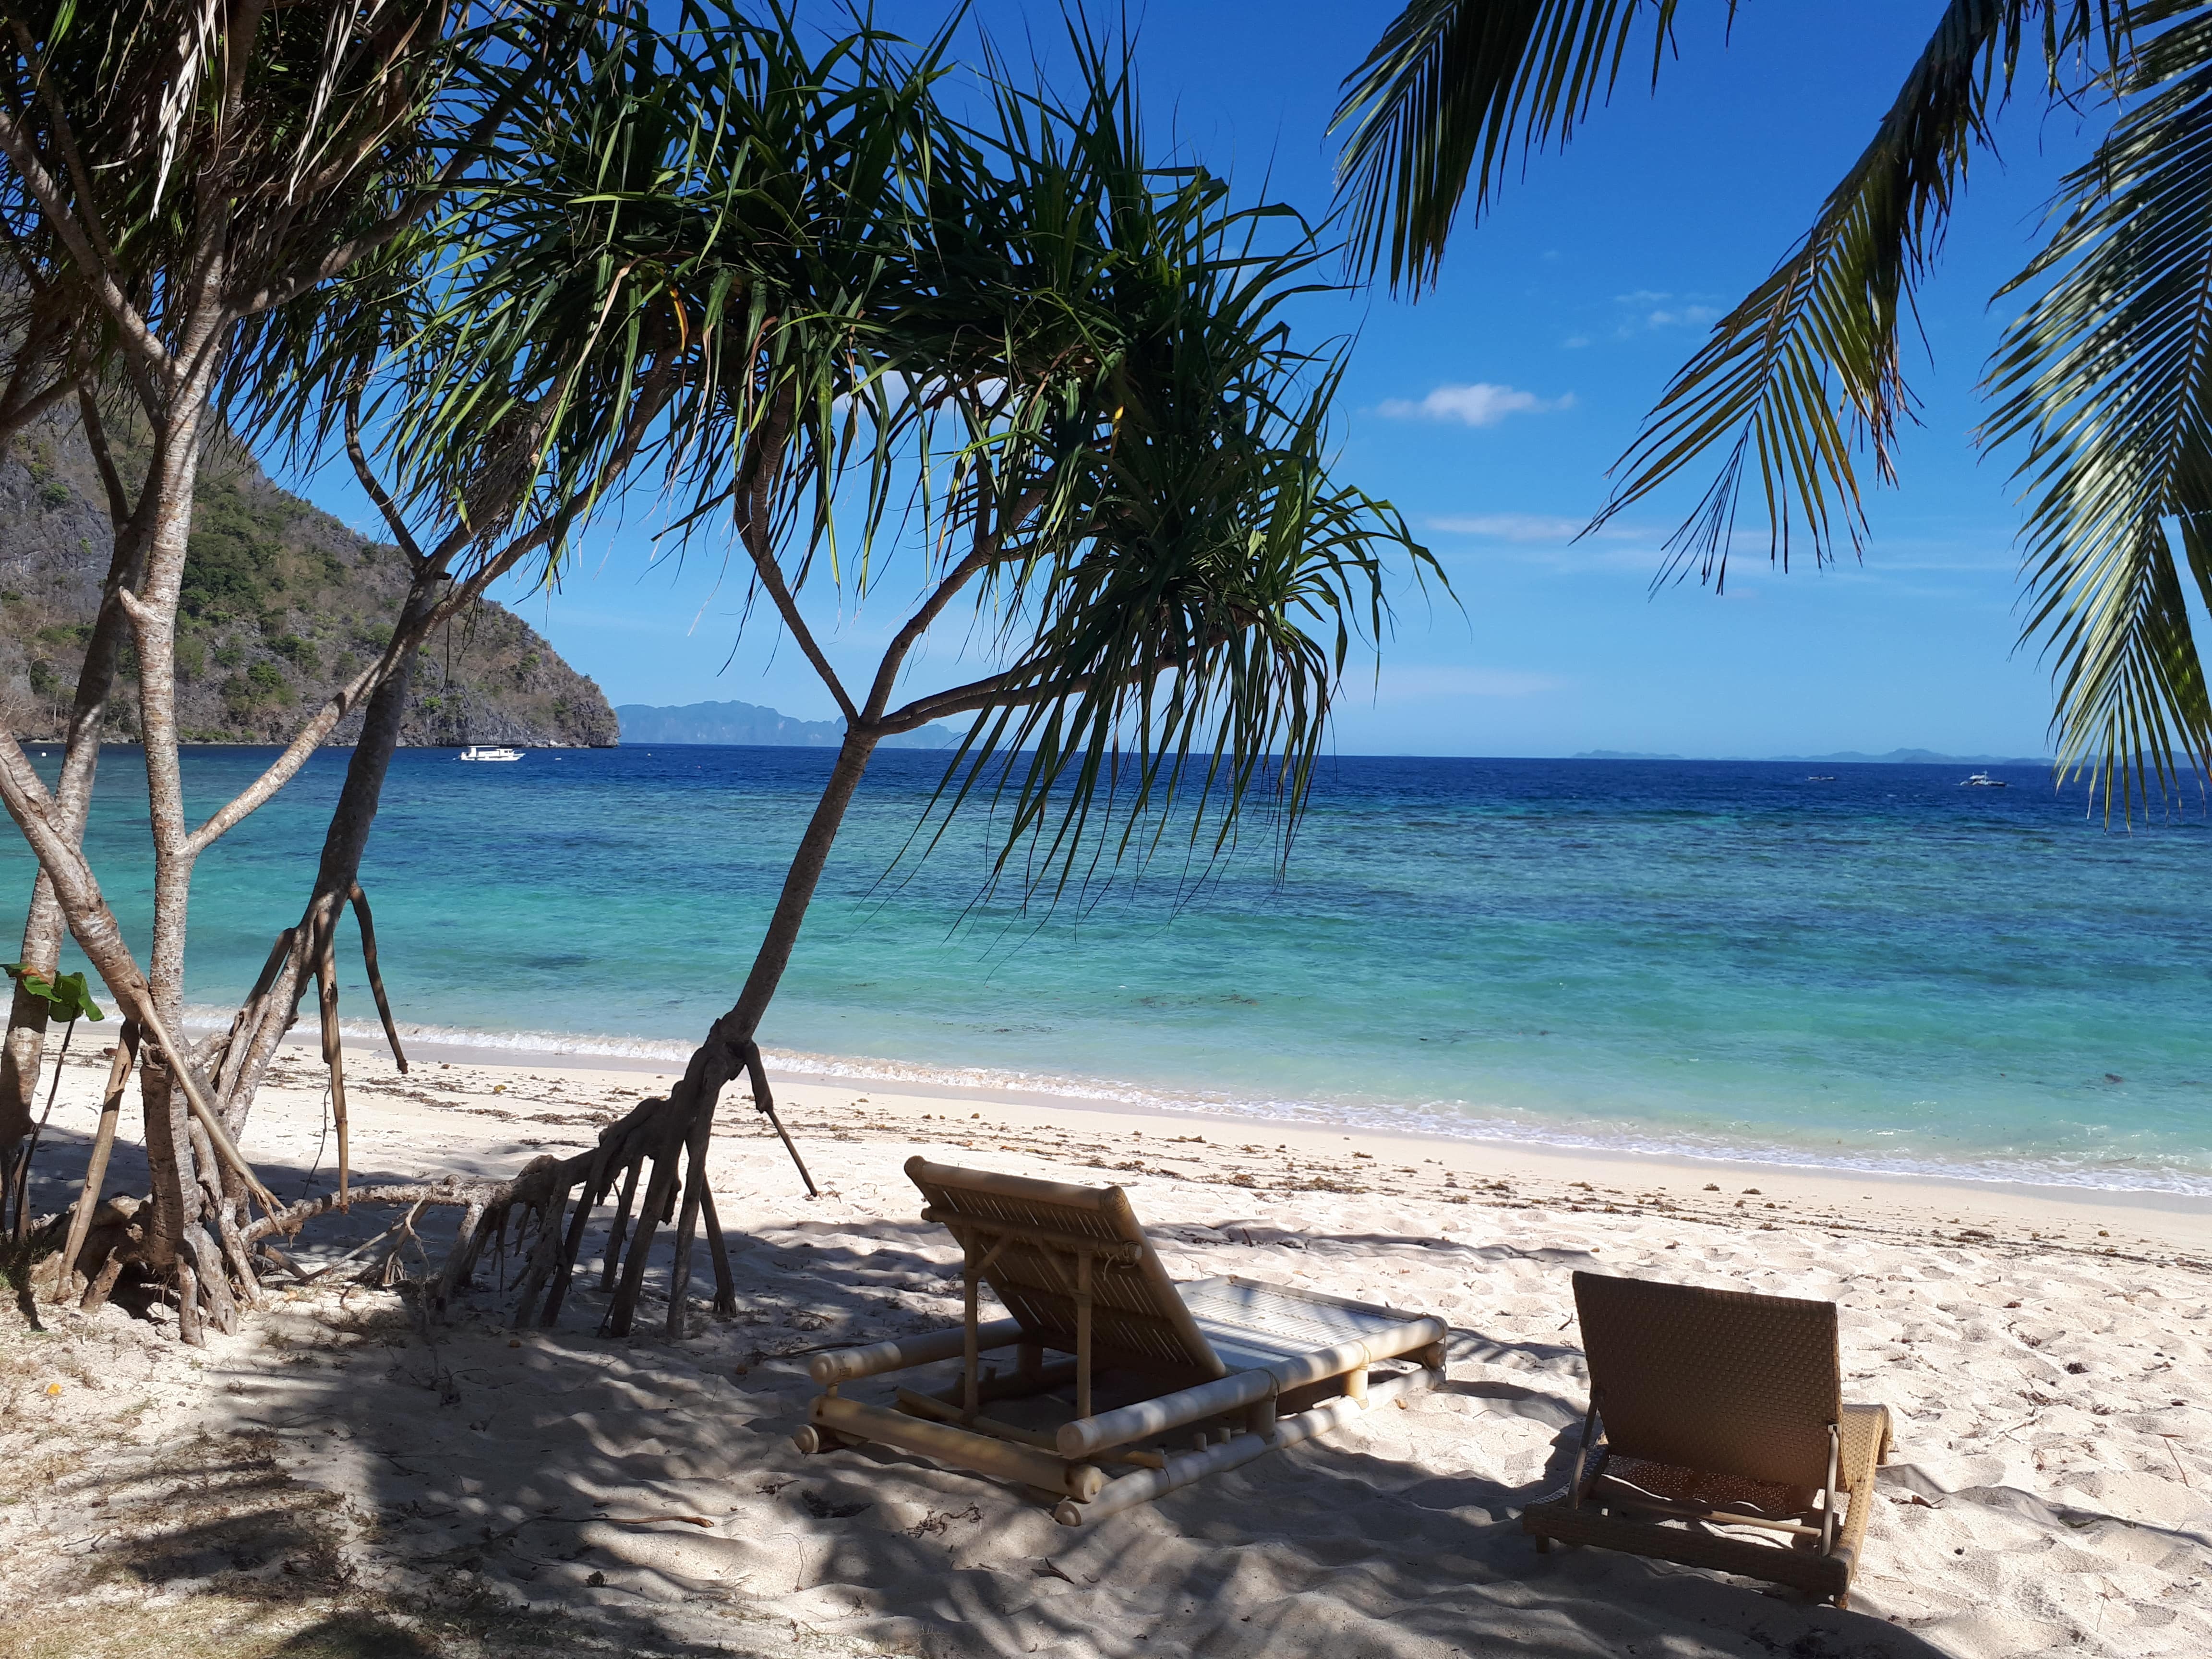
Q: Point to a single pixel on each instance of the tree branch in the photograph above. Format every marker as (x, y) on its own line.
(346, 253)
(310, 737)
(95, 437)
(982, 557)
(55, 213)
(100, 937)
(371, 484)
(753, 533)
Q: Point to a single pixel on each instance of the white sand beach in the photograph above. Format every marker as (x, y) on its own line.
(358, 1485)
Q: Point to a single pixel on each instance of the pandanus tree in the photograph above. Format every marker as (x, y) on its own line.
(177, 178)
(1070, 368)
(2100, 381)
(1119, 490)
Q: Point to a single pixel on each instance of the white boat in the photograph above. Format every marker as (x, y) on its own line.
(1982, 781)
(477, 751)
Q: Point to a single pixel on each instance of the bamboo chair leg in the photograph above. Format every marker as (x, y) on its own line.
(970, 1381)
(1083, 1334)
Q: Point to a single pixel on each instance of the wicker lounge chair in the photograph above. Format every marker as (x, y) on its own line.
(1238, 1367)
(1718, 1408)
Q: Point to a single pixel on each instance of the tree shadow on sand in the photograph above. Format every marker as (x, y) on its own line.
(517, 1490)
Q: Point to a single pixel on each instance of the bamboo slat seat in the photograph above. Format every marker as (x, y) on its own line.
(1711, 1409)
(1254, 1366)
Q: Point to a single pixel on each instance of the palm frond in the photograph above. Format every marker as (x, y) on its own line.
(1803, 377)
(1449, 93)
(2106, 377)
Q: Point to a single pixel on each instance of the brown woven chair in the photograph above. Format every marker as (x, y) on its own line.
(1241, 1368)
(1713, 1409)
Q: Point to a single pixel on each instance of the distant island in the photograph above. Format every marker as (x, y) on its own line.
(1919, 758)
(1843, 757)
(742, 724)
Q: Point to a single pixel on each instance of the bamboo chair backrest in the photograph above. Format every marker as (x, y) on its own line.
(1723, 1380)
(1031, 1232)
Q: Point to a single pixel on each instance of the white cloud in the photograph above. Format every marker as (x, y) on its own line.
(1682, 316)
(1480, 404)
(1510, 526)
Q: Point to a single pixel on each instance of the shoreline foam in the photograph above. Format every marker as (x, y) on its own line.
(2163, 1189)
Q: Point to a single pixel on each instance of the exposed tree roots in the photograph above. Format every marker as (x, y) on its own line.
(650, 1164)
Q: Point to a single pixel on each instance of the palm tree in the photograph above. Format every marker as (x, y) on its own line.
(2101, 382)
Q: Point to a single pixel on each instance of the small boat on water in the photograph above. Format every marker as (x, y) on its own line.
(1982, 781)
(477, 751)
(1820, 777)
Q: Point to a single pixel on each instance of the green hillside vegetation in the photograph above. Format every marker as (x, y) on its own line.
(281, 604)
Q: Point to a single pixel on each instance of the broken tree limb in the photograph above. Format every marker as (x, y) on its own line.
(367, 922)
(103, 1142)
(327, 998)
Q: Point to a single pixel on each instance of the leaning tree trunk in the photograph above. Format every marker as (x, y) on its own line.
(306, 950)
(662, 1142)
(44, 926)
(236, 1063)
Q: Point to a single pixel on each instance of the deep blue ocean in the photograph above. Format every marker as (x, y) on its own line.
(1883, 969)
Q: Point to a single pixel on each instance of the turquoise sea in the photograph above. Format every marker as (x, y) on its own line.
(1881, 970)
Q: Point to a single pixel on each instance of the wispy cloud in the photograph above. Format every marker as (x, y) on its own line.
(1480, 404)
(1509, 526)
(1547, 538)
(1649, 310)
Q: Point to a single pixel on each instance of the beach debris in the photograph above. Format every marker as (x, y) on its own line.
(938, 1521)
(1753, 1191)
(1712, 1186)
(822, 1508)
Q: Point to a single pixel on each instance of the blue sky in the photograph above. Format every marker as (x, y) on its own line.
(1489, 410)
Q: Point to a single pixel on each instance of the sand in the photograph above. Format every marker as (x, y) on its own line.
(336, 1478)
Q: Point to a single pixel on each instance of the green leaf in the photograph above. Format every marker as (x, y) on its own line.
(66, 993)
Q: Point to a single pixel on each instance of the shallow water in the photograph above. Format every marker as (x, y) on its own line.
(1885, 970)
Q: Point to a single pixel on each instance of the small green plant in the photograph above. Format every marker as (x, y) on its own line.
(56, 494)
(229, 656)
(66, 997)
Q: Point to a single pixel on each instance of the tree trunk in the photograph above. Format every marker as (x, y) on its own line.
(673, 1134)
(44, 926)
(171, 1236)
(274, 1006)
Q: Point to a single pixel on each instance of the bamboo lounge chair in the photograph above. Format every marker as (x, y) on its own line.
(1241, 1367)
(1717, 1408)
